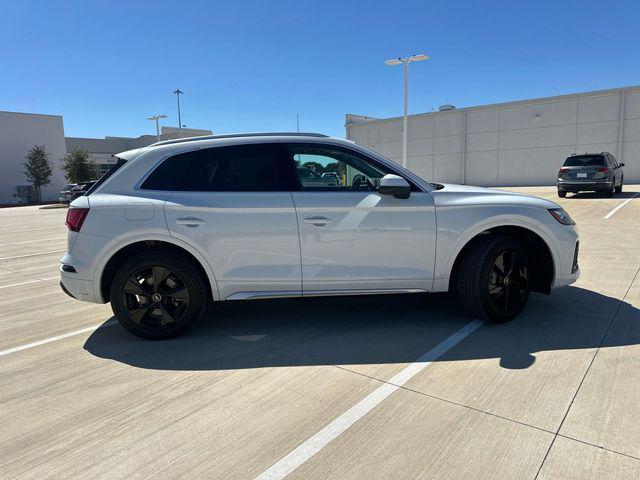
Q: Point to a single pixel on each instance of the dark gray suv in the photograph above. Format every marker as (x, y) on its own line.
(595, 172)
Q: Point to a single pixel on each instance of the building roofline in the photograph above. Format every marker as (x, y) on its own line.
(513, 103)
(28, 113)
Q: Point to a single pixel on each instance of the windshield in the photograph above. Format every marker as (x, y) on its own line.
(584, 161)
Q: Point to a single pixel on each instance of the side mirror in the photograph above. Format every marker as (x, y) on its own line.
(394, 185)
(621, 164)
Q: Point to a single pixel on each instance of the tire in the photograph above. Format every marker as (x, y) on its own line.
(619, 187)
(181, 296)
(610, 191)
(478, 274)
(562, 193)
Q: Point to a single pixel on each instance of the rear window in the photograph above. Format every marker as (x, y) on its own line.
(238, 168)
(584, 161)
(103, 178)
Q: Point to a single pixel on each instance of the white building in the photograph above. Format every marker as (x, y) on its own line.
(18, 133)
(513, 143)
(101, 150)
(21, 131)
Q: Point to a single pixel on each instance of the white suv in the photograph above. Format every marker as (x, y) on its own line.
(236, 217)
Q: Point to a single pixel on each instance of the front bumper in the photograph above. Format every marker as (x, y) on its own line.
(564, 280)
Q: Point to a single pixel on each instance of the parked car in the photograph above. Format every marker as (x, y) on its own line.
(65, 193)
(310, 178)
(184, 222)
(82, 188)
(332, 177)
(595, 172)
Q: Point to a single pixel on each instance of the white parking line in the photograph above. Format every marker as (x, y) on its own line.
(313, 445)
(32, 241)
(26, 346)
(33, 254)
(620, 206)
(30, 281)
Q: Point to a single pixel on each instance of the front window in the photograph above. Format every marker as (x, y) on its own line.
(324, 168)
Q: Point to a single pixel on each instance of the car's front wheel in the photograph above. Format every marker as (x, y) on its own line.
(492, 281)
(562, 193)
(158, 295)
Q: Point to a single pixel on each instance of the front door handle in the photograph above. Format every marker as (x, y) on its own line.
(190, 221)
(318, 221)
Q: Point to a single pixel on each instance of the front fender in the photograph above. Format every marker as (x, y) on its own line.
(454, 233)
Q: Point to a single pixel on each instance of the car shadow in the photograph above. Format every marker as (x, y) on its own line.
(370, 330)
(621, 195)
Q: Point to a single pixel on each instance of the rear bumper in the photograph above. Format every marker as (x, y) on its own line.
(590, 185)
(77, 288)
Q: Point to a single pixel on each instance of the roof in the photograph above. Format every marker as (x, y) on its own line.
(238, 135)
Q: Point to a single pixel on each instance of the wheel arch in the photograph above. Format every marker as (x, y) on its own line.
(115, 255)
(541, 251)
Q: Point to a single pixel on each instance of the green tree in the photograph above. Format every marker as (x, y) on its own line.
(78, 167)
(37, 168)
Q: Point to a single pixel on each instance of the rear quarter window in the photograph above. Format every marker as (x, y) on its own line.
(221, 169)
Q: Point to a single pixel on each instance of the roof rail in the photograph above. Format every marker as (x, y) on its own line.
(237, 135)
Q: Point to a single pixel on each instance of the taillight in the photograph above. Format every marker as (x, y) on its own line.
(75, 218)
(603, 169)
(563, 170)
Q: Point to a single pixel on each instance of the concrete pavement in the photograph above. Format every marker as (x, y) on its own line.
(554, 394)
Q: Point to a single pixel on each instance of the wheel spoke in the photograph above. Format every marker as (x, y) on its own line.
(134, 288)
(180, 294)
(138, 313)
(167, 317)
(508, 261)
(160, 274)
(499, 265)
(507, 297)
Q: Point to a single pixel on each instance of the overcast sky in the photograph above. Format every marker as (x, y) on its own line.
(251, 66)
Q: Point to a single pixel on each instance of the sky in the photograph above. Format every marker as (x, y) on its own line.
(253, 65)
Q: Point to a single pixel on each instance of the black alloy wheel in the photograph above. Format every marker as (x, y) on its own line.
(156, 297)
(492, 281)
(509, 282)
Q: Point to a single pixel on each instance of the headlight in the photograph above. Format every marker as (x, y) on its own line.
(561, 216)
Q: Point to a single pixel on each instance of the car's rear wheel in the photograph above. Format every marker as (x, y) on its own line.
(492, 281)
(562, 193)
(158, 295)
(619, 187)
(609, 192)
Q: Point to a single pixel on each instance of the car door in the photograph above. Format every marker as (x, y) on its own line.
(354, 239)
(231, 203)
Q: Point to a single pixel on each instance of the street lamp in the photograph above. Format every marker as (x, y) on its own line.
(406, 61)
(179, 92)
(157, 118)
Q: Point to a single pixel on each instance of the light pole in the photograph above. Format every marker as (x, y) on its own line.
(157, 118)
(179, 92)
(406, 61)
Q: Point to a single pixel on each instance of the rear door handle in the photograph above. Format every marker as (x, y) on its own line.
(190, 221)
(318, 221)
